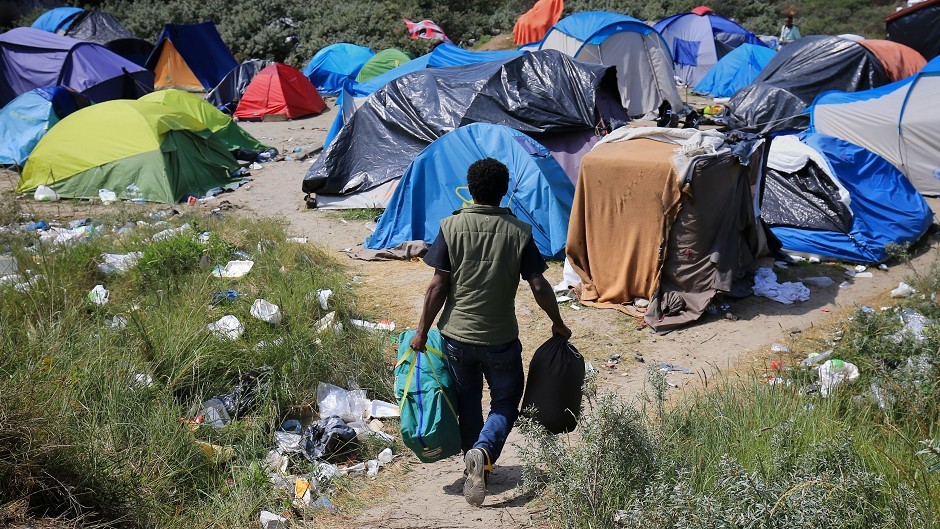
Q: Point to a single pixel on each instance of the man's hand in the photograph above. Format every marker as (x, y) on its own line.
(562, 330)
(419, 341)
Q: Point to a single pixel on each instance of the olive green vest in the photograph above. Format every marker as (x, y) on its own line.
(485, 245)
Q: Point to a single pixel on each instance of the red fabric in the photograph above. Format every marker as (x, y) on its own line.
(425, 29)
(279, 89)
(534, 23)
(702, 11)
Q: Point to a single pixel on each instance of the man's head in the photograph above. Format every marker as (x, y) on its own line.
(488, 180)
(789, 20)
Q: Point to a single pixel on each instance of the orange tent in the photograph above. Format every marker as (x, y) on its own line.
(534, 23)
(279, 90)
(899, 61)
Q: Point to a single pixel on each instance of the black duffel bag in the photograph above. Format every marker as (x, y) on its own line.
(556, 374)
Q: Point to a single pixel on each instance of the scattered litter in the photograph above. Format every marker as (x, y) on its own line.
(118, 323)
(781, 265)
(813, 359)
(850, 272)
(233, 269)
(671, 367)
(8, 265)
(220, 410)
(382, 409)
(564, 297)
(860, 268)
(212, 413)
(380, 326)
(327, 438)
(298, 240)
(65, 235)
(864, 275)
(323, 295)
(45, 194)
(99, 295)
(227, 327)
(266, 311)
(386, 456)
(883, 266)
(112, 263)
(765, 284)
(641, 303)
(821, 281)
(203, 237)
(348, 405)
(106, 196)
(326, 322)
(37, 226)
(844, 284)
(904, 290)
(288, 437)
(142, 380)
(779, 348)
(880, 396)
(241, 254)
(914, 325)
(255, 166)
(170, 232)
(269, 520)
(225, 296)
(835, 372)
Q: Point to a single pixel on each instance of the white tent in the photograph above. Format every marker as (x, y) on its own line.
(900, 122)
(643, 62)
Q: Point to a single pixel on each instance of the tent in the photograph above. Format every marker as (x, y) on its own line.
(735, 70)
(25, 120)
(897, 121)
(827, 197)
(31, 58)
(102, 28)
(190, 57)
(899, 61)
(382, 62)
(426, 29)
(279, 90)
(435, 184)
(138, 149)
(230, 89)
(223, 128)
(917, 26)
(332, 66)
(447, 54)
(644, 69)
(699, 39)
(57, 19)
(650, 223)
(538, 93)
(796, 75)
(532, 25)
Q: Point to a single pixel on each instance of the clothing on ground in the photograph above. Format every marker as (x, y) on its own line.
(501, 366)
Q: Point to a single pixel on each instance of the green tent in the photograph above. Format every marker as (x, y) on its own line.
(382, 62)
(222, 126)
(137, 149)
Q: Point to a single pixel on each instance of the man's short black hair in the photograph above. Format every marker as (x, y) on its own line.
(789, 18)
(488, 180)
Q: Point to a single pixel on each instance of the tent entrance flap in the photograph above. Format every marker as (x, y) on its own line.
(806, 199)
(172, 71)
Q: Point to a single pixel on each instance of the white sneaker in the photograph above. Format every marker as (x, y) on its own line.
(474, 487)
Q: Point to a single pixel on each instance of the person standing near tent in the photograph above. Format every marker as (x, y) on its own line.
(479, 256)
(789, 32)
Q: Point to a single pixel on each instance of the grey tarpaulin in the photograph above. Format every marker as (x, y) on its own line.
(537, 93)
(102, 28)
(796, 75)
(230, 89)
(917, 26)
(807, 198)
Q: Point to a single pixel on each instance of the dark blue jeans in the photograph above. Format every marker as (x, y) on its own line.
(501, 365)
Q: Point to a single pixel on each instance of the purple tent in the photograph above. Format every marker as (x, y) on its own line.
(32, 58)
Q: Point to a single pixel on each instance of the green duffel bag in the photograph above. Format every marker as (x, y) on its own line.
(426, 396)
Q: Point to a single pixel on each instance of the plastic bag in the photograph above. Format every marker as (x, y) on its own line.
(266, 311)
(351, 406)
(45, 194)
(112, 262)
(99, 295)
(328, 438)
(233, 269)
(227, 327)
(107, 196)
(242, 397)
(553, 388)
(835, 372)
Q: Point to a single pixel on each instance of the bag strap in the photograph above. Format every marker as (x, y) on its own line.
(438, 379)
(410, 353)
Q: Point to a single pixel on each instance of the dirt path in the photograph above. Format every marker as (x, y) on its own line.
(430, 496)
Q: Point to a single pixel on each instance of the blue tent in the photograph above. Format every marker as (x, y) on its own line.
(839, 200)
(447, 54)
(435, 184)
(58, 19)
(735, 70)
(25, 120)
(332, 66)
(196, 46)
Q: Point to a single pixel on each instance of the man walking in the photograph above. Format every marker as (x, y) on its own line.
(789, 32)
(479, 257)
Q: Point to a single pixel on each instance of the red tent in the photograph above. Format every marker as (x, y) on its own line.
(279, 90)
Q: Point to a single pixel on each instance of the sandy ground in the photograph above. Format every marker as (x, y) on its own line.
(430, 496)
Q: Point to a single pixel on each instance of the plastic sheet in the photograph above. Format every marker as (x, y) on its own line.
(539, 92)
(807, 198)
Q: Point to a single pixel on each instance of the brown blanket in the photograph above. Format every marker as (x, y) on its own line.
(626, 199)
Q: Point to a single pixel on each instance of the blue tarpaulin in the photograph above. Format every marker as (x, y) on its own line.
(447, 54)
(32, 58)
(58, 19)
(735, 70)
(201, 48)
(435, 185)
(885, 207)
(25, 120)
(331, 67)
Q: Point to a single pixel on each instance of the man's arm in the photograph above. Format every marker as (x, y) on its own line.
(434, 300)
(545, 297)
